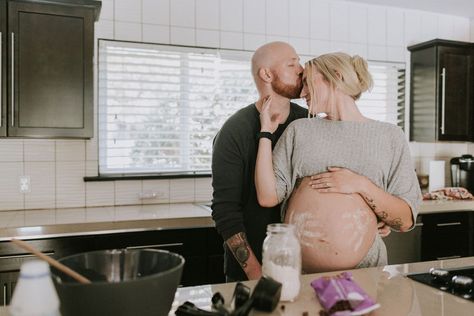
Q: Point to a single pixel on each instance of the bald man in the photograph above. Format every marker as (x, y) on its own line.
(239, 218)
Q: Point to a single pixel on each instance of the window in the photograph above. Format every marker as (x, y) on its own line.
(161, 106)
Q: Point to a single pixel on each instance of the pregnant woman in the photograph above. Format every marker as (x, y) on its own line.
(363, 169)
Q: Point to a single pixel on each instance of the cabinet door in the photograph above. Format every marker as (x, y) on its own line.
(7, 286)
(405, 247)
(51, 70)
(454, 102)
(3, 67)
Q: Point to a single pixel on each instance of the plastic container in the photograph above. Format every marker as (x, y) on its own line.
(34, 294)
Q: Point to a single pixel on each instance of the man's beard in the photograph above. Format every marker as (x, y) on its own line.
(287, 90)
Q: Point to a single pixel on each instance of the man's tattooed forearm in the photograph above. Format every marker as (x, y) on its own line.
(240, 248)
(395, 223)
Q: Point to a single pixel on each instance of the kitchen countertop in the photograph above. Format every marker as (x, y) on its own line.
(388, 285)
(50, 223)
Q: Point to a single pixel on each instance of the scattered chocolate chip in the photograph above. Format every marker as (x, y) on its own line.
(282, 307)
(305, 314)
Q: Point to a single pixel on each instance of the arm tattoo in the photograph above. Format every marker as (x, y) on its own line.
(395, 223)
(240, 248)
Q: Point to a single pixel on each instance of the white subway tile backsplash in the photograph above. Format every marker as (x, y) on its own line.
(277, 18)
(70, 150)
(128, 11)
(12, 219)
(182, 13)
(301, 45)
(42, 185)
(70, 186)
(232, 40)
(128, 31)
(445, 27)
(207, 38)
(183, 36)
(100, 193)
(429, 26)
(427, 149)
(11, 150)
(461, 29)
(377, 52)
(156, 12)
(70, 215)
(254, 16)
(203, 189)
(339, 22)
(104, 29)
(412, 27)
(414, 149)
(10, 196)
(107, 10)
(159, 187)
(92, 149)
(181, 190)
(231, 15)
(320, 22)
(40, 150)
(207, 14)
(253, 41)
(395, 25)
(299, 15)
(472, 30)
(358, 49)
(277, 38)
(127, 192)
(377, 26)
(158, 34)
(443, 149)
(319, 47)
(92, 168)
(358, 24)
(396, 54)
(40, 217)
(340, 46)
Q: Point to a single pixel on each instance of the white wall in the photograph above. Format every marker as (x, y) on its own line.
(57, 167)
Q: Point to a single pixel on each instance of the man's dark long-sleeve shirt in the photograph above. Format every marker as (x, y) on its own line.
(234, 206)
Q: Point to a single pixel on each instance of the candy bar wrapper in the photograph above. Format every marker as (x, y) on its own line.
(341, 296)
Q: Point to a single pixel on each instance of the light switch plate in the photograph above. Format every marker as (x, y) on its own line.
(25, 186)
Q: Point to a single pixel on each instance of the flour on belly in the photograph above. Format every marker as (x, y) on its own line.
(309, 231)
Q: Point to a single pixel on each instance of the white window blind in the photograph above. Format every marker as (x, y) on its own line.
(161, 106)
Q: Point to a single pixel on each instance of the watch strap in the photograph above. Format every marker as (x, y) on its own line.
(268, 135)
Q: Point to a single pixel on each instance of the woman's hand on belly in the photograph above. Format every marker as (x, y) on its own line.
(337, 180)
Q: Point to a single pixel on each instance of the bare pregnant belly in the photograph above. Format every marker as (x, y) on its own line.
(335, 230)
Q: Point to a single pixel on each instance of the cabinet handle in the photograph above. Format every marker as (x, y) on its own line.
(13, 80)
(447, 257)
(177, 244)
(443, 98)
(47, 253)
(448, 224)
(5, 294)
(419, 225)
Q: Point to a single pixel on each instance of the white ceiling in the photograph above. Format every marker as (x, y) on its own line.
(463, 8)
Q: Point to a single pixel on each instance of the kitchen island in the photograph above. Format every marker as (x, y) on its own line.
(389, 286)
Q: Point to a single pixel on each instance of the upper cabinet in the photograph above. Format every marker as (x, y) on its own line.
(47, 49)
(441, 91)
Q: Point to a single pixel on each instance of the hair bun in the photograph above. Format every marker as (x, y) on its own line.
(362, 70)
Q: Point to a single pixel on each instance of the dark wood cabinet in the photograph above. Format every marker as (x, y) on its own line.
(200, 247)
(47, 68)
(441, 91)
(447, 235)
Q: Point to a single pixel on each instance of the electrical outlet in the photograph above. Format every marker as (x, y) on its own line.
(25, 184)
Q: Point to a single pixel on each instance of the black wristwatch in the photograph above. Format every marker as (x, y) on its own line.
(268, 135)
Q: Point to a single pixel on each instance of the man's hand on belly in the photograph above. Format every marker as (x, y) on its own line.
(337, 180)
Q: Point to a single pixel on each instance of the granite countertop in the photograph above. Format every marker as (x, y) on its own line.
(388, 285)
(49, 223)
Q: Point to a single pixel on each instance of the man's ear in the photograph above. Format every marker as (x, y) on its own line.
(265, 74)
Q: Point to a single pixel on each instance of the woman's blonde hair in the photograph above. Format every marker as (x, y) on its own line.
(349, 74)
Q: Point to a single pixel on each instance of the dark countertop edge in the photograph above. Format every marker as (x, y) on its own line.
(101, 228)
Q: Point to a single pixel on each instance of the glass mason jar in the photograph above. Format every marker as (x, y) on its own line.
(282, 259)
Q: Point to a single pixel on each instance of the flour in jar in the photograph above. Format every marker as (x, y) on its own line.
(288, 276)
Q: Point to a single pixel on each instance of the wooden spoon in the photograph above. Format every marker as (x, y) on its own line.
(53, 262)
